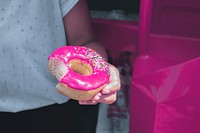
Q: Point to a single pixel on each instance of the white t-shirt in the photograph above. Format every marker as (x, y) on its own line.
(29, 31)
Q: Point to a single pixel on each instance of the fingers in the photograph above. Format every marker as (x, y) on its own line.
(107, 99)
(89, 102)
(114, 84)
(108, 94)
(111, 87)
(92, 101)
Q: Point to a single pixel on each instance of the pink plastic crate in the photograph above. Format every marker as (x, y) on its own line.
(118, 35)
(169, 31)
(165, 85)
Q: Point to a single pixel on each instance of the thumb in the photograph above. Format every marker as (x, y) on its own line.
(114, 83)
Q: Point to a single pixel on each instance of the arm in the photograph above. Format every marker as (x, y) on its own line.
(79, 31)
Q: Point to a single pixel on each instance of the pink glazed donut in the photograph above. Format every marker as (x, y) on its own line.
(81, 71)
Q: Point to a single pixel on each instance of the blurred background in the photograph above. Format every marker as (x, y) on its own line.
(129, 6)
(114, 9)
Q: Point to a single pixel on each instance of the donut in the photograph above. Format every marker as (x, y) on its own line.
(81, 71)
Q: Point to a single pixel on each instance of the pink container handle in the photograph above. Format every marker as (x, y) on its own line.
(144, 25)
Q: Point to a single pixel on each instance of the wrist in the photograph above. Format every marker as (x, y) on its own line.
(98, 47)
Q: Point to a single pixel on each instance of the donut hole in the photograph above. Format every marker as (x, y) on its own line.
(81, 67)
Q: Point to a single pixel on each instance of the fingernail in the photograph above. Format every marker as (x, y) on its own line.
(94, 101)
(106, 91)
(96, 98)
(81, 102)
(99, 94)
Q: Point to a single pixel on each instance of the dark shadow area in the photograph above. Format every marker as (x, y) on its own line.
(129, 6)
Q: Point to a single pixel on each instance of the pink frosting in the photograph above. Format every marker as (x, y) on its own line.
(100, 75)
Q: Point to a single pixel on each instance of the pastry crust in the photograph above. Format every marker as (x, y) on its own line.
(77, 94)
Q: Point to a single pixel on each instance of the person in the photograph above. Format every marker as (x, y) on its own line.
(29, 32)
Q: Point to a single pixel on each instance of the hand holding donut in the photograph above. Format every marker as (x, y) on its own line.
(84, 75)
(108, 94)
